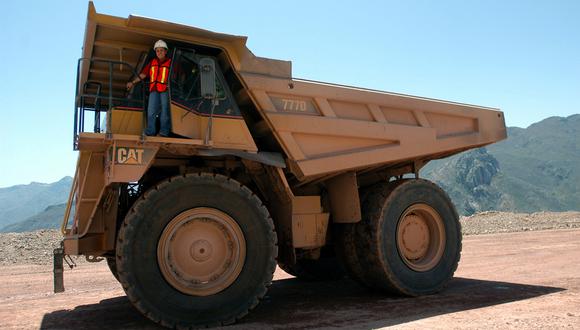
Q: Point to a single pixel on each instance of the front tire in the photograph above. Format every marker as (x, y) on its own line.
(196, 251)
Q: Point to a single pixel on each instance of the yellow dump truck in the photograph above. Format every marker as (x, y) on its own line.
(261, 169)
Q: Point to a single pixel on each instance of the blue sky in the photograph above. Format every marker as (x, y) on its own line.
(520, 56)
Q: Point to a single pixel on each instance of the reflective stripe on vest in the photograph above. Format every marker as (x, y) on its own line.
(158, 81)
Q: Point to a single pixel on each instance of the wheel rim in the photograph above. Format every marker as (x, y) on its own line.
(421, 237)
(201, 251)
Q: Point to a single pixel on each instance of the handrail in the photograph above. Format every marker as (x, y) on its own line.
(92, 216)
(96, 107)
(69, 203)
(82, 186)
(81, 95)
(79, 187)
(89, 97)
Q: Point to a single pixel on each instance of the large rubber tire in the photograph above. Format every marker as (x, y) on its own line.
(327, 268)
(409, 238)
(140, 263)
(344, 235)
(346, 251)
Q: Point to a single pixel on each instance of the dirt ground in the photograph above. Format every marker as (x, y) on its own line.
(522, 280)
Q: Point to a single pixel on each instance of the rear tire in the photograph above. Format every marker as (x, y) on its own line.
(346, 251)
(346, 238)
(409, 238)
(196, 251)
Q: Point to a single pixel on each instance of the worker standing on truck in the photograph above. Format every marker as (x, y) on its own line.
(158, 71)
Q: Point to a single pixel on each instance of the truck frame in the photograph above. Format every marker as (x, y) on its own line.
(262, 169)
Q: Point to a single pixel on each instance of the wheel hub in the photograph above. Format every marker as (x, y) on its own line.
(421, 237)
(201, 251)
(415, 237)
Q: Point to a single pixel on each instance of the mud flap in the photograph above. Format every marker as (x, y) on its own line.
(58, 269)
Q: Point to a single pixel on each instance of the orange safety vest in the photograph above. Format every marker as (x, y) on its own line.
(159, 75)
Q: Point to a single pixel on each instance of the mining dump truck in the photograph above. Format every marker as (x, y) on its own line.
(261, 169)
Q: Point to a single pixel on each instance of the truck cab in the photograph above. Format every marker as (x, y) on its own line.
(202, 106)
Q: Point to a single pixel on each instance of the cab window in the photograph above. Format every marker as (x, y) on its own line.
(186, 87)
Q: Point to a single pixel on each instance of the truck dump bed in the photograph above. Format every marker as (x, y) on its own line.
(326, 128)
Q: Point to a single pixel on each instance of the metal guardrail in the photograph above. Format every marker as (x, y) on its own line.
(93, 101)
(82, 98)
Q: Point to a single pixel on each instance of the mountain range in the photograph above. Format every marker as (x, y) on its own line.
(20, 202)
(51, 217)
(535, 169)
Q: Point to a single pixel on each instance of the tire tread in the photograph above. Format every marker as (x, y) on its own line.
(129, 227)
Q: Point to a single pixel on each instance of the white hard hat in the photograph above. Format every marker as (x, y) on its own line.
(160, 43)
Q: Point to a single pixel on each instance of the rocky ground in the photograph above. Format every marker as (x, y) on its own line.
(523, 280)
(493, 222)
(36, 247)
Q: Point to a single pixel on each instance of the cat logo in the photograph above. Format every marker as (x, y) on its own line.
(129, 156)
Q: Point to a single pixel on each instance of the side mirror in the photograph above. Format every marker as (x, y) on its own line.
(208, 84)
